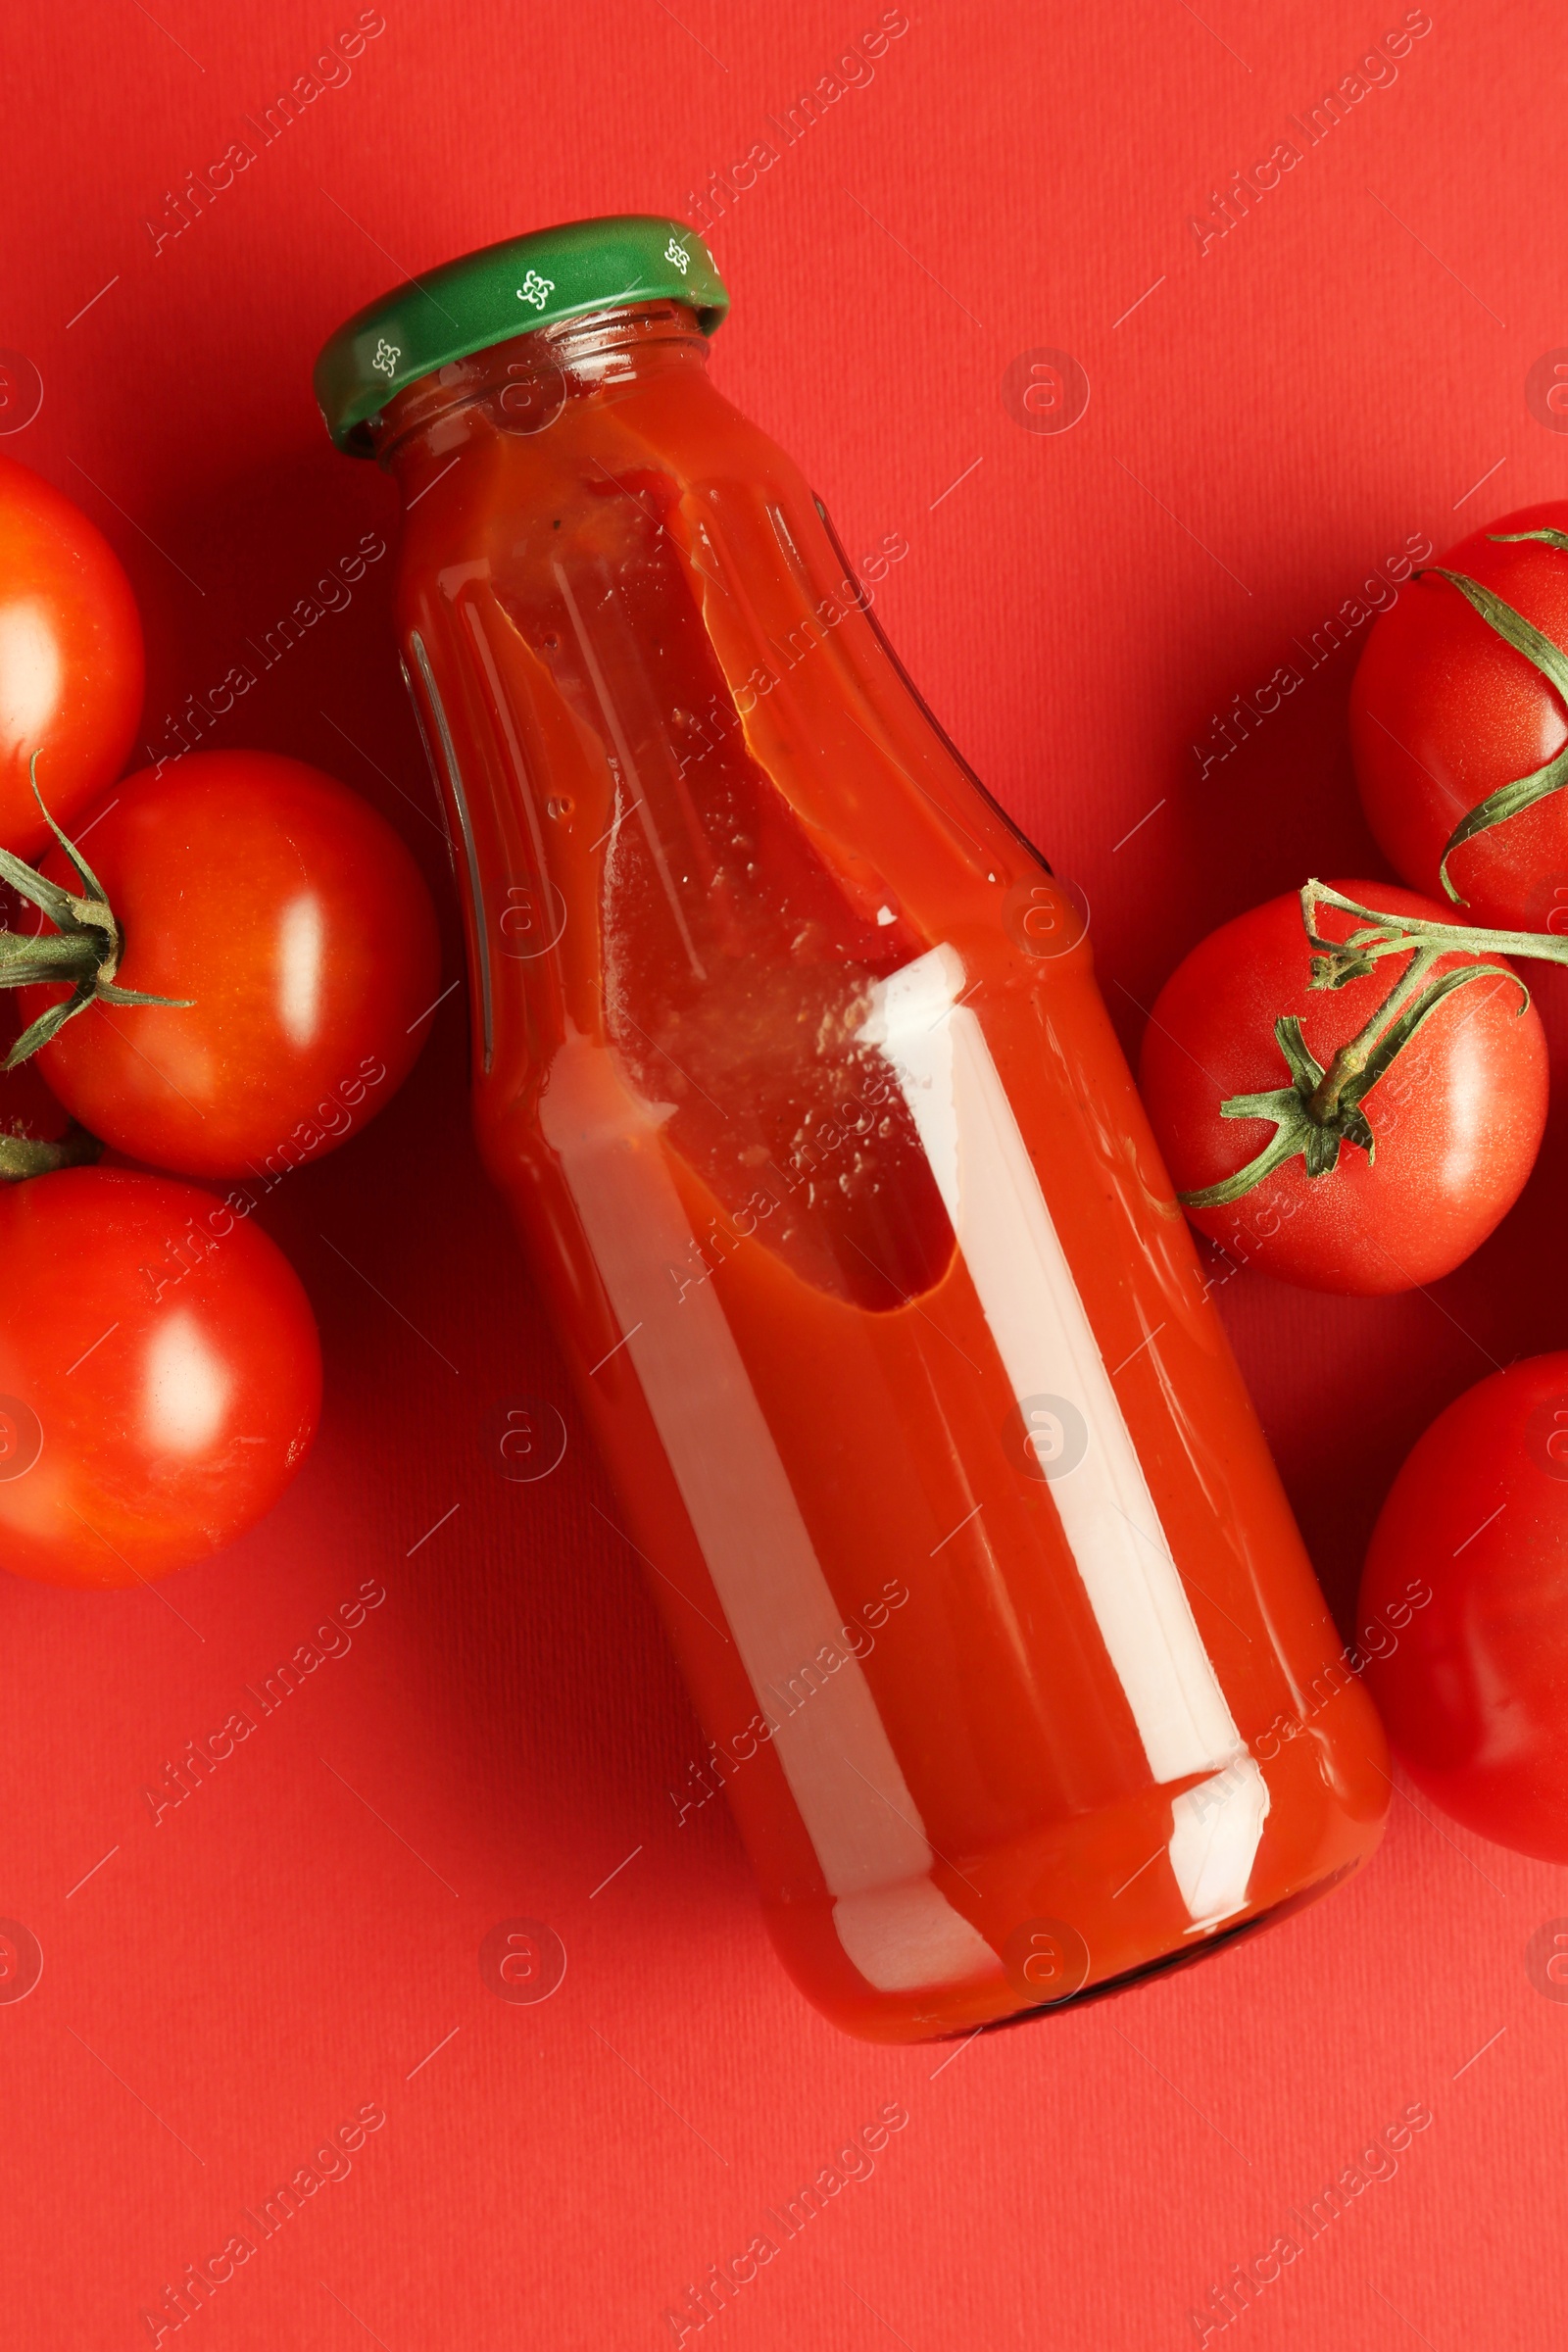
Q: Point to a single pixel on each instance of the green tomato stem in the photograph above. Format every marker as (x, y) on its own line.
(84, 948)
(1394, 934)
(1548, 660)
(1352, 1059)
(1320, 1109)
(24, 1156)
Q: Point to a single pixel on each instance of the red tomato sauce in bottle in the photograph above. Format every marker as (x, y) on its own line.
(790, 1063)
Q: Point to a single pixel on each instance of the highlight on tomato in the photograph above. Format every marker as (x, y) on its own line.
(1459, 725)
(237, 981)
(1471, 1687)
(1350, 1096)
(159, 1375)
(72, 667)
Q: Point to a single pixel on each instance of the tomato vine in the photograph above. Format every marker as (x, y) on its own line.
(84, 948)
(1546, 658)
(1322, 1107)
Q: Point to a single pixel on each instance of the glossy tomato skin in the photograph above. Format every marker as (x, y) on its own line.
(1473, 1685)
(28, 1108)
(1458, 1119)
(1443, 712)
(295, 919)
(72, 667)
(160, 1376)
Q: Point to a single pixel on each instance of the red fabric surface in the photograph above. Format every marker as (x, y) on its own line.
(1274, 417)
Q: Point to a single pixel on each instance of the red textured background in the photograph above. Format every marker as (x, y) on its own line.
(1275, 417)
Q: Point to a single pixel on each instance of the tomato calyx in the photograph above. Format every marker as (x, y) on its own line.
(84, 950)
(1552, 664)
(1322, 1107)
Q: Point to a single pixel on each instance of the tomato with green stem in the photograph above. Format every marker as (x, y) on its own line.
(72, 667)
(36, 1132)
(239, 978)
(1401, 1070)
(159, 1375)
(1459, 725)
(1470, 1682)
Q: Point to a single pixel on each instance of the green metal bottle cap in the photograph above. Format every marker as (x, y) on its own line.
(505, 290)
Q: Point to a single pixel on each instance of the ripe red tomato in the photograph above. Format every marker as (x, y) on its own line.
(297, 923)
(29, 1111)
(1471, 1685)
(1457, 1119)
(1445, 713)
(70, 658)
(160, 1376)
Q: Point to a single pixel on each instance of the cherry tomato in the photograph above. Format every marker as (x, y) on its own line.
(29, 1111)
(70, 658)
(1473, 1682)
(297, 923)
(1445, 713)
(159, 1375)
(1456, 1119)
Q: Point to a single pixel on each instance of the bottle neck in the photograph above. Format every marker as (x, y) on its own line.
(520, 386)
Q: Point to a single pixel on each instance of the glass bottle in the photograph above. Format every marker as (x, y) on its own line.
(789, 1060)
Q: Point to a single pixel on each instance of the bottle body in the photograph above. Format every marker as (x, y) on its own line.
(791, 1064)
